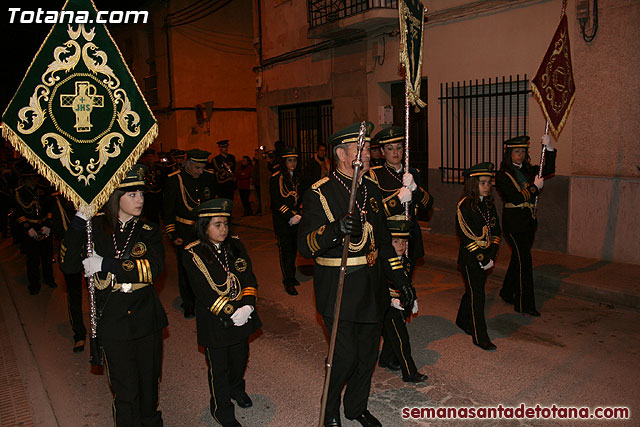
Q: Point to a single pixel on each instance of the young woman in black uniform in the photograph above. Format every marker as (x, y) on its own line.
(128, 258)
(479, 230)
(220, 273)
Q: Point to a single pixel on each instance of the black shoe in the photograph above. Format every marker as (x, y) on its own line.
(244, 401)
(533, 312)
(52, 285)
(367, 420)
(467, 331)
(295, 282)
(332, 422)
(488, 345)
(392, 366)
(78, 346)
(189, 313)
(415, 378)
(290, 289)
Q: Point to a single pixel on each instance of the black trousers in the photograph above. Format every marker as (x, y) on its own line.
(396, 347)
(39, 253)
(226, 379)
(355, 356)
(518, 282)
(288, 248)
(471, 310)
(226, 191)
(246, 204)
(134, 368)
(74, 305)
(186, 293)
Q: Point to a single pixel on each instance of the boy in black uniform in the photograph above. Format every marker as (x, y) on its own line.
(519, 184)
(224, 168)
(325, 222)
(394, 330)
(33, 205)
(185, 190)
(128, 257)
(398, 187)
(285, 208)
(220, 273)
(479, 230)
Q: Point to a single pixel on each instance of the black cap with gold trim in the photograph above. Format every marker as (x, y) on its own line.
(223, 143)
(289, 152)
(521, 141)
(481, 169)
(399, 226)
(197, 155)
(350, 134)
(134, 179)
(214, 207)
(390, 134)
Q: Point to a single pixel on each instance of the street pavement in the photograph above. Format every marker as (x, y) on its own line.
(579, 353)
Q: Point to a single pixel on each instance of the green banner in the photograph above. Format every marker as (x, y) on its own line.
(411, 13)
(78, 116)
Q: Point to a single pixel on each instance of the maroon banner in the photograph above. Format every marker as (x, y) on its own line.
(553, 86)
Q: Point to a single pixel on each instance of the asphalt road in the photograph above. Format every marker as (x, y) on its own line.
(577, 354)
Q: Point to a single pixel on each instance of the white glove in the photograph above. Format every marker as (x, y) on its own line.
(404, 195)
(32, 233)
(538, 181)
(408, 181)
(395, 303)
(546, 141)
(415, 307)
(242, 315)
(488, 266)
(81, 215)
(294, 219)
(92, 265)
(45, 230)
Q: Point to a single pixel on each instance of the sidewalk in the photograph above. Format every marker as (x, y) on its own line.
(608, 283)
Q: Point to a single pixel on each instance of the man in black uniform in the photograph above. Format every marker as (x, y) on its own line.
(185, 190)
(33, 204)
(224, 168)
(398, 187)
(324, 224)
(285, 208)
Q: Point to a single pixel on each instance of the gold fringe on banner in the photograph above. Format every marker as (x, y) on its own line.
(61, 185)
(554, 130)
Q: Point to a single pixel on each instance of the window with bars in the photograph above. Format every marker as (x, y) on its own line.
(325, 11)
(476, 118)
(304, 126)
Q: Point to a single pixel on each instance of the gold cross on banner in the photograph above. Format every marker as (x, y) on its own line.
(82, 103)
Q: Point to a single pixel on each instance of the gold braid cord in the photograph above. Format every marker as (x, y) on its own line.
(484, 241)
(231, 278)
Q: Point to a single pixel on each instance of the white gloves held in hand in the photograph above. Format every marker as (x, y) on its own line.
(45, 230)
(92, 265)
(415, 307)
(404, 195)
(408, 181)
(242, 315)
(81, 215)
(32, 233)
(294, 219)
(488, 266)
(395, 303)
(538, 181)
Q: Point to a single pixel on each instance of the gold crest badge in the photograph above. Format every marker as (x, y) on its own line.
(374, 205)
(207, 193)
(228, 309)
(392, 203)
(321, 230)
(147, 227)
(138, 249)
(241, 264)
(128, 265)
(480, 257)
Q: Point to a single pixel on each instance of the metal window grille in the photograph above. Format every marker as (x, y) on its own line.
(475, 120)
(324, 11)
(304, 126)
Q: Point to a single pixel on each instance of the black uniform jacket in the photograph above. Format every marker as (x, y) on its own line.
(122, 316)
(519, 197)
(285, 202)
(479, 239)
(33, 207)
(366, 294)
(182, 194)
(213, 310)
(390, 183)
(224, 169)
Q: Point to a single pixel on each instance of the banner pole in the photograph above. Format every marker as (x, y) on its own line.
(406, 136)
(544, 150)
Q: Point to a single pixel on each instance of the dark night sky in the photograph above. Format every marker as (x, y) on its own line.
(22, 41)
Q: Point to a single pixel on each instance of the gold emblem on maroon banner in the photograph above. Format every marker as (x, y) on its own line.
(374, 205)
(228, 309)
(128, 265)
(241, 264)
(138, 249)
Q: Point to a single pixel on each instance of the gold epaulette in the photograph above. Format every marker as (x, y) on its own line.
(371, 179)
(235, 237)
(372, 175)
(275, 173)
(192, 244)
(209, 171)
(147, 227)
(320, 182)
(174, 173)
(376, 167)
